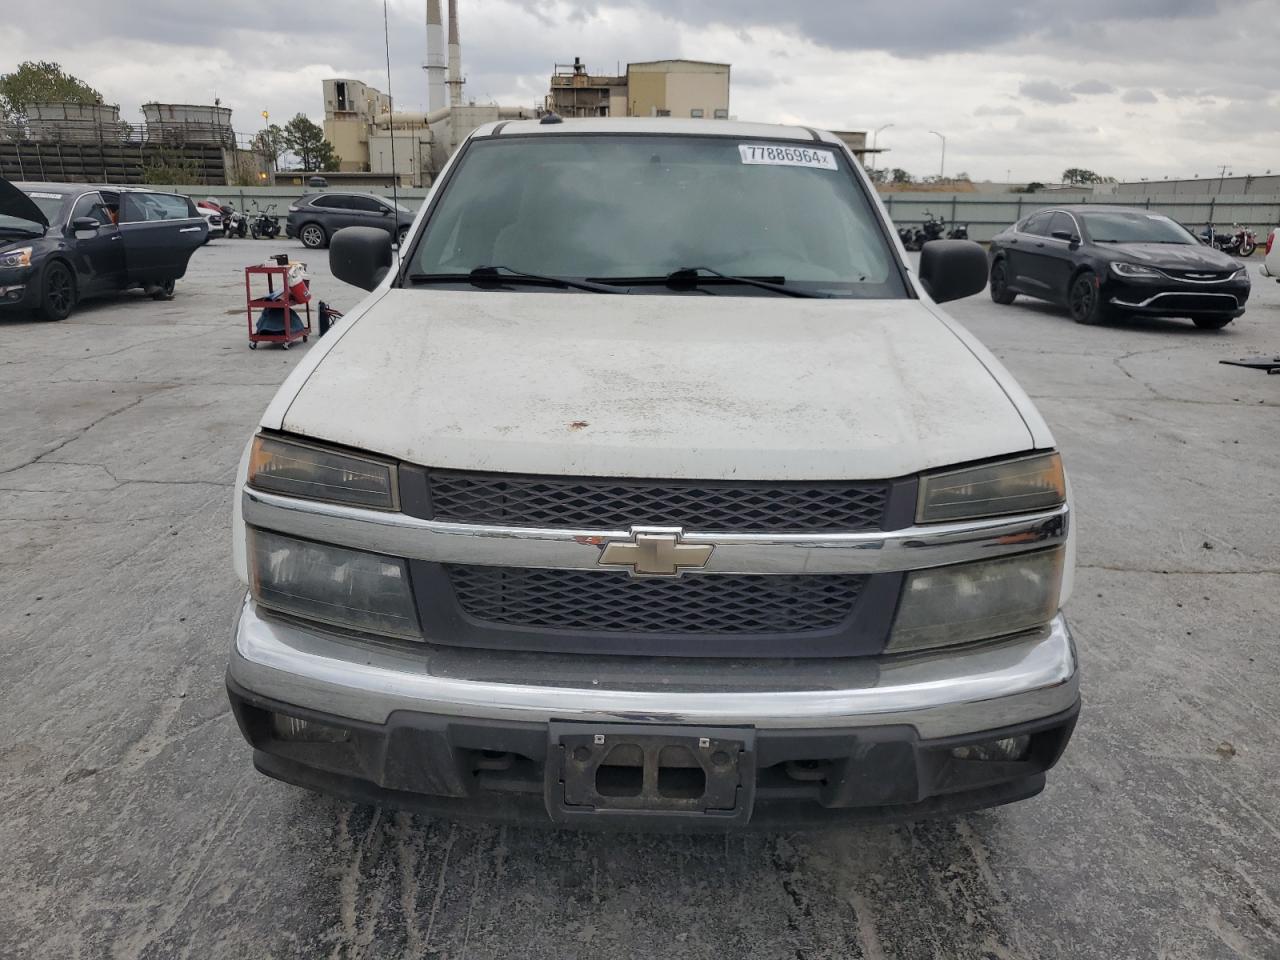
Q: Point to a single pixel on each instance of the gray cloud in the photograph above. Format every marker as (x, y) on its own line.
(1092, 87)
(1139, 96)
(933, 26)
(993, 110)
(1045, 91)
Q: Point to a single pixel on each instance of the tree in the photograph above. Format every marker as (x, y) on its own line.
(1079, 175)
(878, 175)
(40, 81)
(1033, 187)
(306, 141)
(271, 143)
(898, 175)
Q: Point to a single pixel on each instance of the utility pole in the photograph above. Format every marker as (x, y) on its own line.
(875, 137)
(942, 170)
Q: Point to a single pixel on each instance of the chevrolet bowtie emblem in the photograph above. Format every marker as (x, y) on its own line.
(655, 552)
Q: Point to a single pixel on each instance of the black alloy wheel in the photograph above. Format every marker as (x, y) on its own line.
(1000, 292)
(1085, 300)
(59, 293)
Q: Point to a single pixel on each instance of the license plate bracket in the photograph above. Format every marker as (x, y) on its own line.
(647, 770)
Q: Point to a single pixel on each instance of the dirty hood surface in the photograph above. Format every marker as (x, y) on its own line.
(712, 387)
(15, 203)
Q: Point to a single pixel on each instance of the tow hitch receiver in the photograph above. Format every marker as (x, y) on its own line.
(650, 771)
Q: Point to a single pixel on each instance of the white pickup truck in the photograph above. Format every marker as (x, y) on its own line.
(1271, 264)
(653, 488)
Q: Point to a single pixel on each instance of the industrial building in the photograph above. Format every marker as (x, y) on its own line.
(657, 88)
(369, 134)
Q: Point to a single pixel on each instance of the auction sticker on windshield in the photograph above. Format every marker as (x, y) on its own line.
(787, 156)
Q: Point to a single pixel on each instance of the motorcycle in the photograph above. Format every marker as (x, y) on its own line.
(265, 225)
(1240, 242)
(933, 228)
(233, 222)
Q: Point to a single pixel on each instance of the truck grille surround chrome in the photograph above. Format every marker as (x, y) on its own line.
(620, 603)
(523, 571)
(590, 502)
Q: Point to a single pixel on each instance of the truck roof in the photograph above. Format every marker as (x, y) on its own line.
(668, 125)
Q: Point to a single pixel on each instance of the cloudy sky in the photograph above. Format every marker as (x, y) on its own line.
(1129, 88)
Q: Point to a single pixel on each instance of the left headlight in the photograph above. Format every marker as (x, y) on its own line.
(967, 602)
(1024, 485)
(298, 469)
(362, 591)
(16, 258)
(1134, 270)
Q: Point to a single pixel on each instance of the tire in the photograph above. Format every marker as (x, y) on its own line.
(58, 296)
(313, 236)
(1084, 300)
(165, 291)
(1000, 292)
(1211, 323)
(242, 230)
(1246, 249)
(403, 232)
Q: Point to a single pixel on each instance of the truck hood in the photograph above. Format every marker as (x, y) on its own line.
(674, 387)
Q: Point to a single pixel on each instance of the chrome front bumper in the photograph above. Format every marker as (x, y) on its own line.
(968, 690)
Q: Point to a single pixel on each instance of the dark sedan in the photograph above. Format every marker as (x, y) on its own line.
(61, 243)
(316, 217)
(1102, 262)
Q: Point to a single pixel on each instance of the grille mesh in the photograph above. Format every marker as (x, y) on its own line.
(619, 603)
(729, 506)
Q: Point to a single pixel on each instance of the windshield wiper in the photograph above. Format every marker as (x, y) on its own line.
(693, 276)
(486, 276)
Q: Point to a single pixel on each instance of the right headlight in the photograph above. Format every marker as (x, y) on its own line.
(1122, 269)
(297, 469)
(362, 591)
(1025, 485)
(946, 606)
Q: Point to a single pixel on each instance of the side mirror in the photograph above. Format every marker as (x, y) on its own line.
(384, 211)
(952, 269)
(360, 256)
(89, 224)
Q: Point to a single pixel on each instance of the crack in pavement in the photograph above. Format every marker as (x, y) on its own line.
(84, 430)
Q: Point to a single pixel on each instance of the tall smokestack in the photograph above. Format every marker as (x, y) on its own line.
(435, 66)
(455, 57)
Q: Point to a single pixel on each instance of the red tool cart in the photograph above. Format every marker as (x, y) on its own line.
(283, 297)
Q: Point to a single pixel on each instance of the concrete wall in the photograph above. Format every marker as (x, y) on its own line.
(1201, 186)
(988, 214)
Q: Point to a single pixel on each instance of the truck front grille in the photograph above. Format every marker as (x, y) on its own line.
(616, 504)
(575, 600)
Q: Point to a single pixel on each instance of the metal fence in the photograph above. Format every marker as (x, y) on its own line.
(988, 214)
(166, 132)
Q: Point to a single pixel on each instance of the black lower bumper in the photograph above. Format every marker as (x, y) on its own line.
(522, 772)
(1178, 299)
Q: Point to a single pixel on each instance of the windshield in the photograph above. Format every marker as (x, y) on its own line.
(1114, 227)
(617, 207)
(50, 205)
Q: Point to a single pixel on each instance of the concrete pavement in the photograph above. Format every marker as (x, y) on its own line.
(134, 825)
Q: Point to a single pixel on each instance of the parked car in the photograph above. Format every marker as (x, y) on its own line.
(211, 210)
(316, 217)
(622, 499)
(61, 243)
(1104, 262)
(1271, 264)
